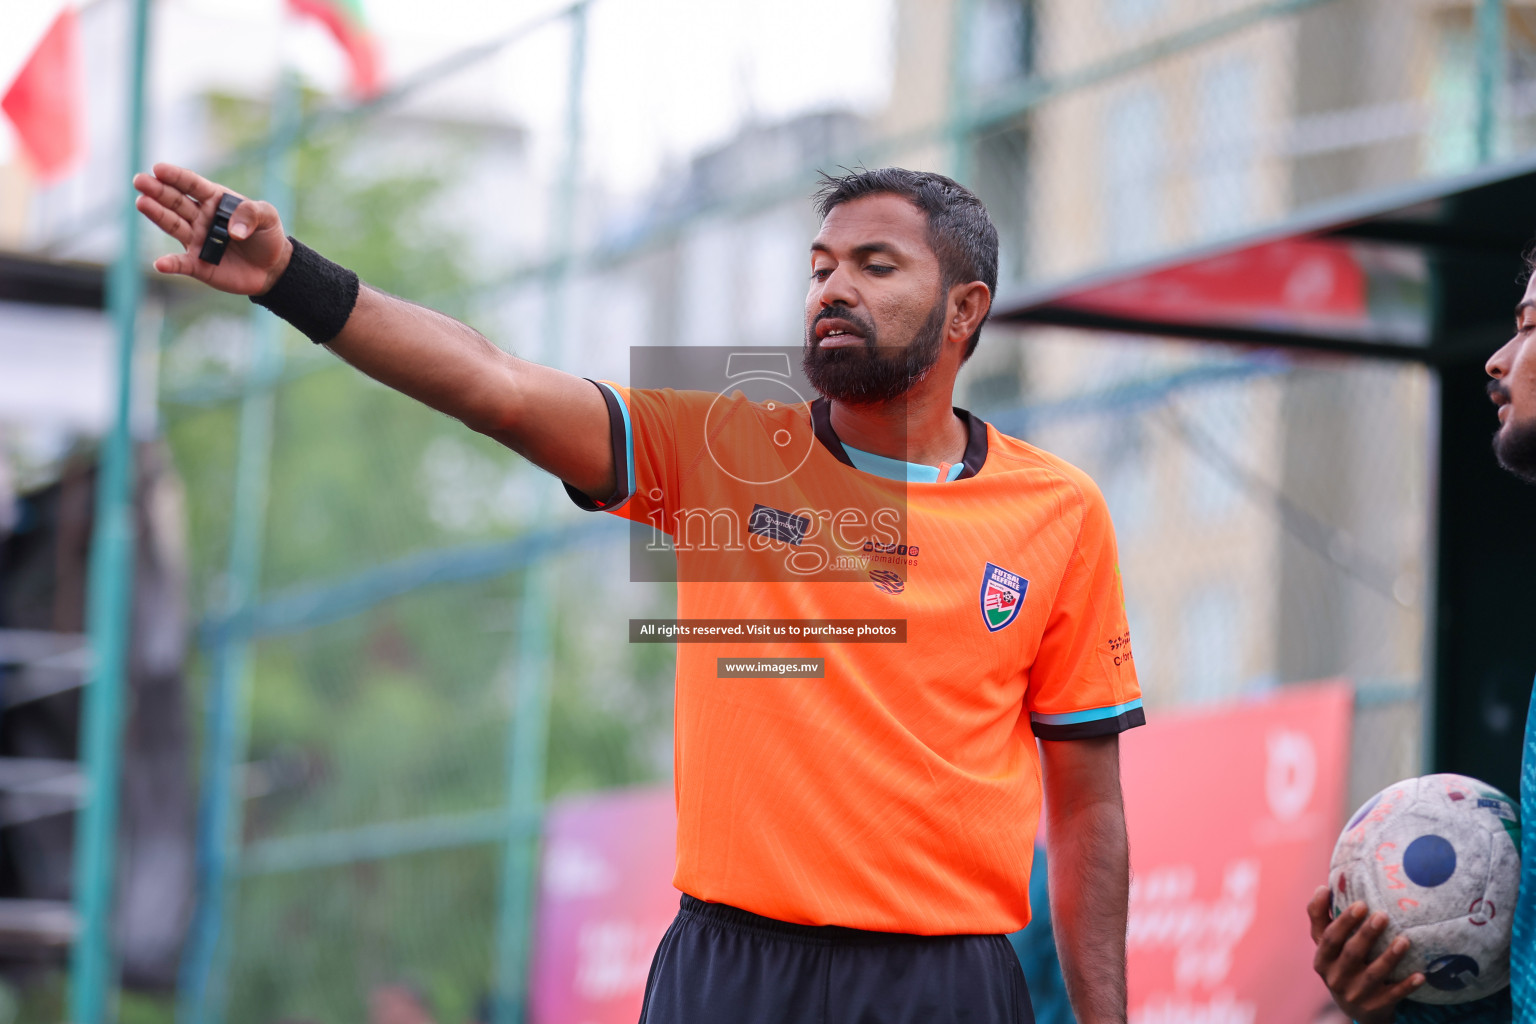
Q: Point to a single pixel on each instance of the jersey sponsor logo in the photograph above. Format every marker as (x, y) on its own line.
(776, 524)
(1002, 595)
(887, 581)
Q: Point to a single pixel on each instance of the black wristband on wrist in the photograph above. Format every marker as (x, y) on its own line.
(314, 294)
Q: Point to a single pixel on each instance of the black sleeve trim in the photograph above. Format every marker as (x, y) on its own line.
(1087, 730)
(620, 441)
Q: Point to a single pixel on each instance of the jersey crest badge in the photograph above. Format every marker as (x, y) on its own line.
(1002, 595)
(888, 581)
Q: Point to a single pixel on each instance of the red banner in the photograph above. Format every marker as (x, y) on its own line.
(1232, 814)
(605, 898)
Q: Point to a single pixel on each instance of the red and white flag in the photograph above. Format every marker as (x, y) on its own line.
(348, 24)
(42, 88)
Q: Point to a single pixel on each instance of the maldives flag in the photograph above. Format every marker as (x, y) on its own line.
(345, 20)
(42, 79)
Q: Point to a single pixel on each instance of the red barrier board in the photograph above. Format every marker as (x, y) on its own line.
(605, 898)
(1232, 815)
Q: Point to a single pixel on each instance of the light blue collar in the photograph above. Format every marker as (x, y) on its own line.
(895, 469)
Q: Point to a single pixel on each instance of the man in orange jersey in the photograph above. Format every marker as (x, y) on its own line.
(855, 816)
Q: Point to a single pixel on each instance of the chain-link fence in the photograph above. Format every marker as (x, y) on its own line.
(423, 642)
(1271, 512)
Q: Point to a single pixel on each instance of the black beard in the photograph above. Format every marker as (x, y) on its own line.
(1514, 445)
(863, 375)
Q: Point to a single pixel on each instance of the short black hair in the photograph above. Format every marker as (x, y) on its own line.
(959, 230)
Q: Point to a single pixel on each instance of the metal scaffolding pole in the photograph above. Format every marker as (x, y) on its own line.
(1490, 28)
(532, 672)
(203, 991)
(961, 24)
(92, 972)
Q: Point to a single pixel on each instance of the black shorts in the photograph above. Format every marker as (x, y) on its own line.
(720, 965)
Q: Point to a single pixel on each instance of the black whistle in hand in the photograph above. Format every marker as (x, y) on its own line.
(218, 232)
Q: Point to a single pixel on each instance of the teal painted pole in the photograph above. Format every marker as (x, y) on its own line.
(531, 685)
(92, 980)
(962, 25)
(525, 796)
(564, 220)
(1490, 29)
(205, 964)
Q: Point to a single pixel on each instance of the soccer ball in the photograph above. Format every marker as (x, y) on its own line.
(1439, 854)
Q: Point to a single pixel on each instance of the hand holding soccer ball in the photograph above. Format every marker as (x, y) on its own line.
(1358, 982)
(1421, 893)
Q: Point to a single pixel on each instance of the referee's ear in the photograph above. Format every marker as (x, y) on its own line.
(966, 311)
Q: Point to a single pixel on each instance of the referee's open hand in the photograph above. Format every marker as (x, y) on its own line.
(182, 204)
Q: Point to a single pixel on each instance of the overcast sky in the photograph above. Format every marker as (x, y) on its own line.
(665, 77)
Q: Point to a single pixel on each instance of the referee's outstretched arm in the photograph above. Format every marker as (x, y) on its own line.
(557, 421)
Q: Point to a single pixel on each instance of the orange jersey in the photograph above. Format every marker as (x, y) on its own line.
(900, 791)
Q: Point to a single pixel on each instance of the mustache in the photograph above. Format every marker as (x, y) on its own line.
(841, 312)
(1497, 389)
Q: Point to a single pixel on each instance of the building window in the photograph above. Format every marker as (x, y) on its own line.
(1224, 196)
(1126, 481)
(1219, 423)
(1001, 38)
(1451, 143)
(1134, 13)
(1211, 650)
(1001, 179)
(1133, 161)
